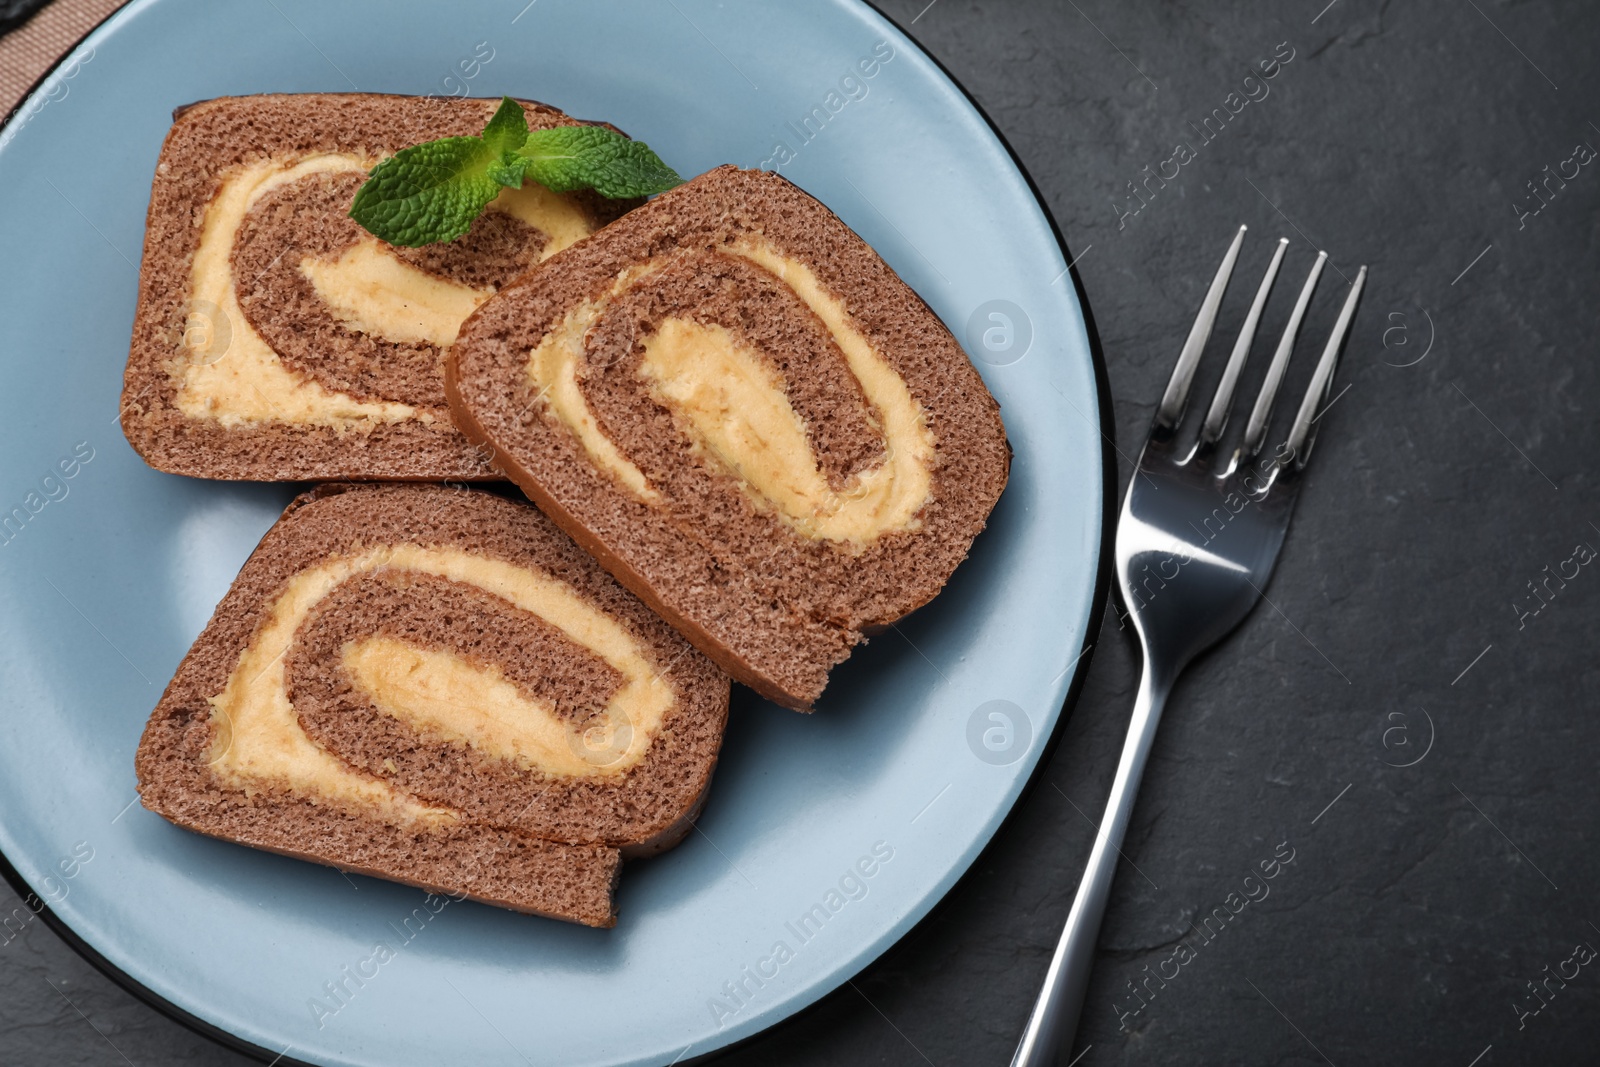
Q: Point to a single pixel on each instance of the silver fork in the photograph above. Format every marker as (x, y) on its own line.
(1196, 544)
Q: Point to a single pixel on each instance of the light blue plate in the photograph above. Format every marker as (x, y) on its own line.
(924, 740)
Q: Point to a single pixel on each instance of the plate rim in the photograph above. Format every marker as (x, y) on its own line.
(1098, 600)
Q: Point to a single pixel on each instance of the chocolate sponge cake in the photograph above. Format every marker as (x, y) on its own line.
(746, 416)
(436, 686)
(274, 338)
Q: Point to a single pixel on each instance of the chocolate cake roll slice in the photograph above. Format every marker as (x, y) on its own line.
(746, 416)
(274, 338)
(436, 686)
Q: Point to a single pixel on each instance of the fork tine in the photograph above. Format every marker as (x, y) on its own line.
(1256, 430)
(1217, 416)
(1304, 433)
(1170, 412)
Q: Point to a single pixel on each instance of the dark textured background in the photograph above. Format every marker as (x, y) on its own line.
(14, 12)
(1420, 904)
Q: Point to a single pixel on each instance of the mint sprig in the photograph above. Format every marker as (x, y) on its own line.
(433, 191)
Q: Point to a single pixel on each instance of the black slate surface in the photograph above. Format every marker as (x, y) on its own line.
(1421, 900)
(14, 13)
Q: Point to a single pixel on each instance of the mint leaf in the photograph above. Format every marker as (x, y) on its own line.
(433, 191)
(568, 158)
(429, 192)
(504, 135)
(507, 129)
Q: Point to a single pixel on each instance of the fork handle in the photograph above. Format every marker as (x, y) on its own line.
(1055, 1014)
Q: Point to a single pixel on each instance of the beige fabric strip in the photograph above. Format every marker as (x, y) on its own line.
(29, 50)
